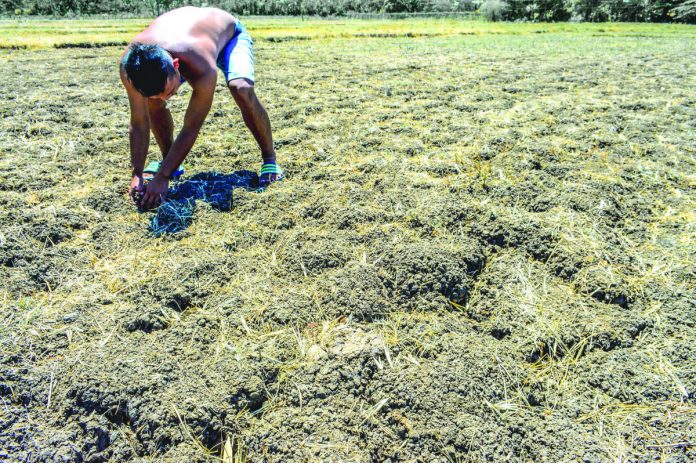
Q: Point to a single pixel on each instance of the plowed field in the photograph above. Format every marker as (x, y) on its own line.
(484, 250)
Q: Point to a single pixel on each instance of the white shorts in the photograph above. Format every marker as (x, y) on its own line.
(236, 60)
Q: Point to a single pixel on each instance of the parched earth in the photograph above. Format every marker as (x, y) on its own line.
(484, 251)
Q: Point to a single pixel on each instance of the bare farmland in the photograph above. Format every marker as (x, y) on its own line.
(484, 251)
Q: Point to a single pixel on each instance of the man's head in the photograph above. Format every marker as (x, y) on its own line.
(151, 69)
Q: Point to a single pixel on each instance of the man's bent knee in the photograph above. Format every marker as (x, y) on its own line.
(156, 104)
(241, 89)
(156, 108)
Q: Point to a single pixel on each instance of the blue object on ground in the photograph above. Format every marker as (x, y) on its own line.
(173, 216)
(176, 213)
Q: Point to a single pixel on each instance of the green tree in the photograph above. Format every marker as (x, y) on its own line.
(551, 10)
(686, 12)
(493, 10)
(582, 9)
(403, 6)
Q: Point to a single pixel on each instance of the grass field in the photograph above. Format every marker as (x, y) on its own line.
(33, 33)
(484, 250)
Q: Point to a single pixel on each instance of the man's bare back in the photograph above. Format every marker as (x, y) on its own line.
(193, 35)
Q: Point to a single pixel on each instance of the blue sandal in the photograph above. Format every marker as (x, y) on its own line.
(267, 170)
(151, 170)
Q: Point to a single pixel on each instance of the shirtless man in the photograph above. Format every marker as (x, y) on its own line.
(186, 45)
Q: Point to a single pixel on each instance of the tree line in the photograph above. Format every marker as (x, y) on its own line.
(508, 10)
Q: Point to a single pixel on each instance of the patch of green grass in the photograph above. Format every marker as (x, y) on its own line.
(40, 33)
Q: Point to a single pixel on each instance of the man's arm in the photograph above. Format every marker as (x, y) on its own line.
(138, 134)
(198, 108)
(199, 105)
(139, 126)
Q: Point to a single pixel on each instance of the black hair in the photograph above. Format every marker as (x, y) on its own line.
(148, 67)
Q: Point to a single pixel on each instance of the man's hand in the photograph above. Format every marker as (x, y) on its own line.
(136, 188)
(155, 193)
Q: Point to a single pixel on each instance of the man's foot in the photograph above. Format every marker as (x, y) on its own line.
(270, 172)
(151, 170)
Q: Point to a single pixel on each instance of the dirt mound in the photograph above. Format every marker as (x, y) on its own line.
(511, 302)
(412, 276)
(142, 409)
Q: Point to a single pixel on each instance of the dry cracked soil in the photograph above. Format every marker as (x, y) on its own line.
(483, 251)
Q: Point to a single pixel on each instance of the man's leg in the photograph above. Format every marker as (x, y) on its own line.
(161, 124)
(255, 118)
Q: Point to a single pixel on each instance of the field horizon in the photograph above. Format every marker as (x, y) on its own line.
(484, 250)
(36, 33)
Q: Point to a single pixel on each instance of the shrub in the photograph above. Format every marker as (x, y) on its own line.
(686, 12)
(493, 10)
